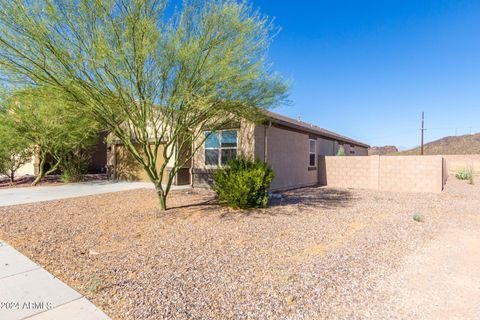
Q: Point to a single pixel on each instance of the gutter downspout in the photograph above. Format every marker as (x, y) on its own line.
(265, 142)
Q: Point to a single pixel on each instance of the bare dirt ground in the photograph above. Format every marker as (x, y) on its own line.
(442, 279)
(318, 253)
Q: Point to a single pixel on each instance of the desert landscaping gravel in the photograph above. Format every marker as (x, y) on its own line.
(316, 253)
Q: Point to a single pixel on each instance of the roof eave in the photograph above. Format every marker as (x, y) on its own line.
(316, 132)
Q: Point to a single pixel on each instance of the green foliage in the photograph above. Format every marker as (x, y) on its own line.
(244, 183)
(464, 174)
(14, 150)
(74, 165)
(341, 151)
(417, 217)
(148, 77)
(94, 283)
(51, 124)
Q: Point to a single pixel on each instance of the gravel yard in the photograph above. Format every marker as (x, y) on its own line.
(50, 180)
(317, 253)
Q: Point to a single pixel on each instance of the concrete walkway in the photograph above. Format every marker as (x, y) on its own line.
(13, 196)
(27, 291)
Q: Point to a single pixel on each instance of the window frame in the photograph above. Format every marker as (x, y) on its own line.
(352, 149)
(314, 153)
(220, 148)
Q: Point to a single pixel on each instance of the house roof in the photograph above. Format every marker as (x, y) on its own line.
(310, 128)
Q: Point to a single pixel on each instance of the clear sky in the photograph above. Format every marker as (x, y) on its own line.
(367, 69)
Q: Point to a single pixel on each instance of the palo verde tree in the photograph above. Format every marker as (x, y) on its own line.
(155, 79)
(51, 125)
(14, 150)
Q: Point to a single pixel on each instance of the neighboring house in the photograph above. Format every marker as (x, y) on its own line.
(290, 146)
(97, 163)
(28, 168)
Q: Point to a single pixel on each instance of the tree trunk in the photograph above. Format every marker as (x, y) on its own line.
(12, 177)
(162, 199)
(41, 171)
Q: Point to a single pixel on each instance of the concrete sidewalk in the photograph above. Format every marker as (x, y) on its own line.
(14, 196)
(27, 291)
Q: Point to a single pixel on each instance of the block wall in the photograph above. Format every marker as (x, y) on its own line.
(399, 174)
(457, 162)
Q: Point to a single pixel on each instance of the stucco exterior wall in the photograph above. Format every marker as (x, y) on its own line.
(399, 174)
(326, 147)
(202, 174)
(361, 151)
(28, 168)
(127, 168)
(287, 153)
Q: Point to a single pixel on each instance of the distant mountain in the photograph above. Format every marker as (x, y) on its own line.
(382, 150)
(467, 144)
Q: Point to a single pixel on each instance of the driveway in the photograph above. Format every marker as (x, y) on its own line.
(16, 196)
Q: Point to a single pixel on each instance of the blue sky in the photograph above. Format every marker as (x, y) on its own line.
(367, 69)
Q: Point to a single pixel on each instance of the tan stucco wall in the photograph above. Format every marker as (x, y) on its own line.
(28, 168)
(202, 174)
(287, 152)
(127, 168)
(245, 147)
(326, 147)
(361, 151)
(399, 174)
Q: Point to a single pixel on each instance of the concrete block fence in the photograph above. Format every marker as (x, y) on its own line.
(384, 173)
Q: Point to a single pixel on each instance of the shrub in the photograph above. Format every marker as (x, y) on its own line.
(418, 217)
(94, 283)
(244, 183)
(74, 165)
(341, 151)
(465, 174)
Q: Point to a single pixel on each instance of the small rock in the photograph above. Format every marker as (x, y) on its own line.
(290, 300)
(93, 252)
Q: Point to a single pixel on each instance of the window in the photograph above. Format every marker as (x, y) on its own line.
(352, 149)
(220, 147)
(312, 153)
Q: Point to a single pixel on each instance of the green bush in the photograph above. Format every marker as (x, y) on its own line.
(418, 217)
(74, 165)
(465, 174)
(244, 183)
(341, 151)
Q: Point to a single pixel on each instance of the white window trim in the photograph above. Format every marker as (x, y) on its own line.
(314, 152)
(220, 148)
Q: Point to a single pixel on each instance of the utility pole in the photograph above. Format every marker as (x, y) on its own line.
(423, 130)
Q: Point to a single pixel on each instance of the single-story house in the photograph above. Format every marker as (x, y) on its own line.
(290, 146)
(96, 164)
